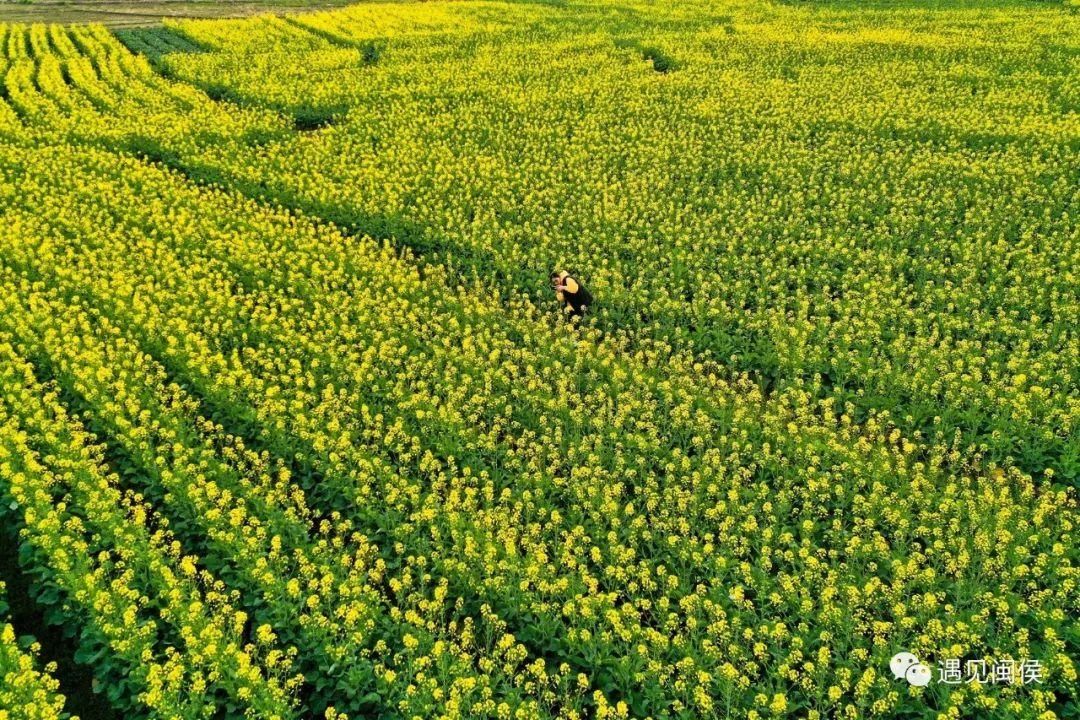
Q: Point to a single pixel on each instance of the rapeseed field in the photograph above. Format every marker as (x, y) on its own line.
(292, 425)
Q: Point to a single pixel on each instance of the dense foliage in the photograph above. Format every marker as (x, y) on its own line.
(290, 424)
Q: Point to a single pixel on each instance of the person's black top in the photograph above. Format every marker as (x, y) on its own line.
(576, 297)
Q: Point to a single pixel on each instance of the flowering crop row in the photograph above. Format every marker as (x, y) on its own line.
(25, 691)
(98, 555)
(355, 25)
(91, 90)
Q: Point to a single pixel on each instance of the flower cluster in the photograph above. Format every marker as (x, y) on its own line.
(25, 691)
